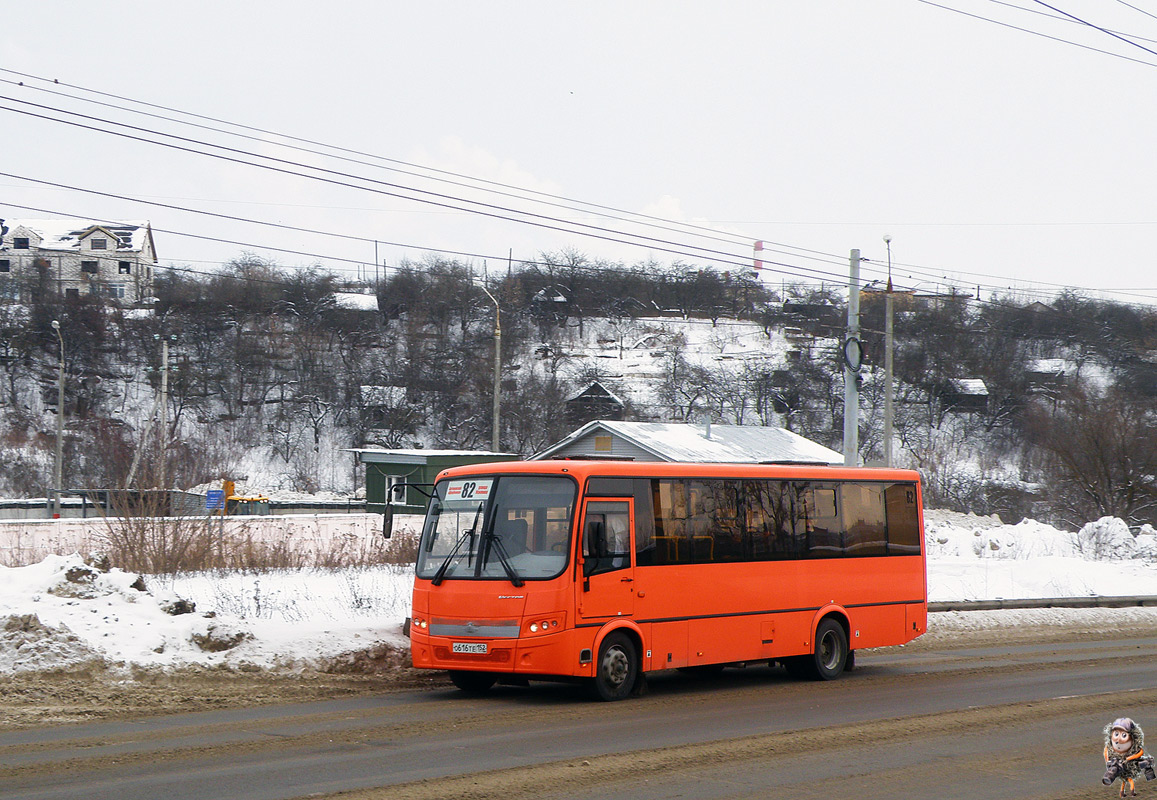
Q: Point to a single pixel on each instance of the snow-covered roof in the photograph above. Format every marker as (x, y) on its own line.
(67, 234)
(356, 301)
(669, 441)
(972, 386)
(1049, 366)
(382, 395)
(378, 454)
(596, 389)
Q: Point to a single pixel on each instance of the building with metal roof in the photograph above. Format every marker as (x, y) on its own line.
(668, 441)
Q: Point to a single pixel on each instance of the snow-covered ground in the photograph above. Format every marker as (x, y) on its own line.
(59, 613)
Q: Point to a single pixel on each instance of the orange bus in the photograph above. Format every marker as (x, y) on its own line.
(604, 571)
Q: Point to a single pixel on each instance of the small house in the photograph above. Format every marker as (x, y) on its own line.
(397, 478)
(965, 395)
(594, 402)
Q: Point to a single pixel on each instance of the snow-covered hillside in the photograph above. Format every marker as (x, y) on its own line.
(632, 355)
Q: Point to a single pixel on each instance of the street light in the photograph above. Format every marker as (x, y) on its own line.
(59, 426)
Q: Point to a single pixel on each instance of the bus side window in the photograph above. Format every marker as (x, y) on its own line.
(903, 519)
(670, 509)
(606, 537)
(864, 522)
(645, 549)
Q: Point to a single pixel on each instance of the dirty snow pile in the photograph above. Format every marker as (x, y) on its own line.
(64, 614)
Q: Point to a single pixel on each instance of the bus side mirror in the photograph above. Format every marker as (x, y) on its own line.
(388, 523)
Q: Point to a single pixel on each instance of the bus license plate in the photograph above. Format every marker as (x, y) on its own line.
(469, 647)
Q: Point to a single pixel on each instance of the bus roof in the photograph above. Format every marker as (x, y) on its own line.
(582, 468)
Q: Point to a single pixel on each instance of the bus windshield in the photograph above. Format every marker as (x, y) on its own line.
(497, 528)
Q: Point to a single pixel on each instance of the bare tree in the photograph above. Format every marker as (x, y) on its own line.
(1100, 454)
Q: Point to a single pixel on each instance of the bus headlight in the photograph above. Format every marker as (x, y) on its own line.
(543, 625)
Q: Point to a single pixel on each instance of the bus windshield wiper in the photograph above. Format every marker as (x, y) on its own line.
(469, 534)
(496, 543)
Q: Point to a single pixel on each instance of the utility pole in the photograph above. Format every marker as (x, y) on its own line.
(497, 368)
(853, 356)
(888, 350)
(58, 466)
(163, 432)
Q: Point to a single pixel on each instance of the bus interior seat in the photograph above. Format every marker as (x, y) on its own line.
(513, 534)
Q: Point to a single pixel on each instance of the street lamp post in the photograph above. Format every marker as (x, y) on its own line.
(59, 463)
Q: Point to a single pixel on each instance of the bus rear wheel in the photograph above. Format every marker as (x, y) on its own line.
(829, 658)
(617, 668)
(473, 682)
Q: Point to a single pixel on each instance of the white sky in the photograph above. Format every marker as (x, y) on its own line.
(990, 155)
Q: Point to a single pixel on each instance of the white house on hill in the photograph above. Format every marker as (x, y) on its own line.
(78, 257)
(668, 441)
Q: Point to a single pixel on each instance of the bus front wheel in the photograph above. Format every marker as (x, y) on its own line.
(473, 682)
(617, 667)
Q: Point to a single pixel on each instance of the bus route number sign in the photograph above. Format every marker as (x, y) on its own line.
(468, 490)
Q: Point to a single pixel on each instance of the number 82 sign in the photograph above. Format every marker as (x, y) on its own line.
(469, 489)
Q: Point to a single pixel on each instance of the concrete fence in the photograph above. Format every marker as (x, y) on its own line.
(24, 542)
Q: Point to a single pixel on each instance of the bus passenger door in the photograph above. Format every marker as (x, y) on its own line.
(607, 582)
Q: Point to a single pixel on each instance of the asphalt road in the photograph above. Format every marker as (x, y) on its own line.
(975, 722)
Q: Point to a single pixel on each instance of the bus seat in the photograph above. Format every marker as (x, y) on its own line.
(513, 532)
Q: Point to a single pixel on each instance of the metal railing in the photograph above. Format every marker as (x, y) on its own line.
(1126, 601)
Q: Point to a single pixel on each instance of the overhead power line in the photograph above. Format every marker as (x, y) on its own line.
(1135, 8)
(790, 270)
(1037, 33)
(1115, 35)
(342, 179)
(778, 268)
(383, 162)
(323, 258)
(1062, 18)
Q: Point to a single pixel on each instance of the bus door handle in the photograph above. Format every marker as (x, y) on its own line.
(628, 580)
